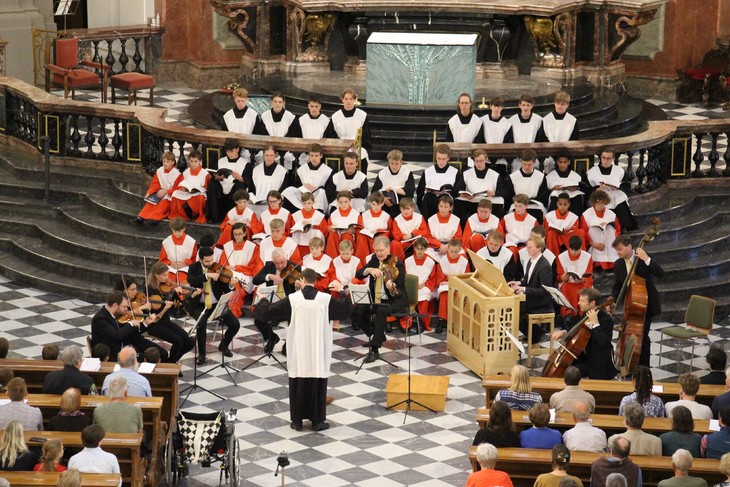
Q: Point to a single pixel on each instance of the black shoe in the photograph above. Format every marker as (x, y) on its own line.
(372, 356)
(201, 360)
(440, 326)
(355, 327)
(283, 350)
(321, 426)
(139, 220)
(270, 343)
(388, 327)
(226, 351)
(296, 425)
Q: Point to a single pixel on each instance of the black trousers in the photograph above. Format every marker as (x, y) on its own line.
(218, 203)
(266, 328)
(625, 217)
(372, 319)
(227, 319)
(175, 336)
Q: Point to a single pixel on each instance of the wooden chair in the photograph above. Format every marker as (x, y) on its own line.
(132, 83)
(534, 320)
(699, 317)
(70, 73)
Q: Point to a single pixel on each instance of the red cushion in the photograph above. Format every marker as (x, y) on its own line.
(699, 73)
(132, 81)
(78, 78)
(67, 52)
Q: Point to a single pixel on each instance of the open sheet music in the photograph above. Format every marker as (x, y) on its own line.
(266, 292)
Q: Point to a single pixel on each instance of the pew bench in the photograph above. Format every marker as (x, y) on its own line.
(33, 479)
(524, 465)
(610, 423)
(608, 393)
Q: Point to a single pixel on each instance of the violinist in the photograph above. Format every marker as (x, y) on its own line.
(164, 294)
(283, 274)
(387, 292)
(105, 328)
(200, 275)
(595, 361)
(140, 309)
(647, 268)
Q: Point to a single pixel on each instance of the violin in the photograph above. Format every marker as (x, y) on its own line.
(130, 316)
(389, 268)
(571, 346)
(225, 274)
(290, 273)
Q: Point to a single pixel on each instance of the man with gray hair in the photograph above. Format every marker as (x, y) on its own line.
(118, 416)
(487, 458)
(642, 443)
(617, 462)
(616, 480)
(584, 436)
(58, 381)
(138, 385)
(681, 463)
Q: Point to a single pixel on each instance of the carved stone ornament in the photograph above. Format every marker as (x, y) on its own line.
(313, 31)
(548, 40)
(238, 19)
(627, 27)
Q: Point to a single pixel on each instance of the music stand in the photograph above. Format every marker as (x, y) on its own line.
(220, 309)
(65, 8)
(193, 334)
(360, 294)
(265, 292)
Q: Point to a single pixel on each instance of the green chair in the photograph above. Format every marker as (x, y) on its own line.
(699, 318)
(412, 295)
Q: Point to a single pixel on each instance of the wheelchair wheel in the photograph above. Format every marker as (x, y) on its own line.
(233, 461)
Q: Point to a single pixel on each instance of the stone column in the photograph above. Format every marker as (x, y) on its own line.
(17, 18)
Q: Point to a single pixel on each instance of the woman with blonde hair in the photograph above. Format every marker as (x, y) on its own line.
(51, 457)
(519, 396)
(14, 453)
(70, 417)
(70, 478)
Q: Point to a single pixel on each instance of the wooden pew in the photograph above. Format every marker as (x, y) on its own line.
(607, 422)
(125, 446)
(524, 465)
(32, 479)
(608, 393)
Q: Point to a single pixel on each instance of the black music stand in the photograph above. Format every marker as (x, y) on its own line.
(271, 295)
(219, 311)
(194, 386)
(360, 295)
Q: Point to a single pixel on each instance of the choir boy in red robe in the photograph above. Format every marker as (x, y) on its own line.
(453, 262)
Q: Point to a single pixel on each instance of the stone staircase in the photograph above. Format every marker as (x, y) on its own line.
(80, 241)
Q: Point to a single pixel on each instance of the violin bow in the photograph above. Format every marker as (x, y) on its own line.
(146, 284)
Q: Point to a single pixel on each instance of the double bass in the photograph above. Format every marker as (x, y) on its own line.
(635, 298)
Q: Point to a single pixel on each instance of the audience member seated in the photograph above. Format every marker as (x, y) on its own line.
(682, 435)
(584, 436)
(690, 384)
(138, 385)
(519, 396)
(118, 416)
(561, 459)
(563, 401)
(70, 417)
(17, 410)
(717, 360)
(6, 375)
(725, 470)
(681, 463)
(92, 459)
(488, 476)
(642, 395)
(69, 376)
(50, 352)
(616, 480)
(722, 399)
(4, 347)
(500, 430)
(540, 436)
(101, 351)
(716, 444)
(14, 453)
(50, 459)
(69, 478)
(642, 443)
(617, 462)
(152, 355)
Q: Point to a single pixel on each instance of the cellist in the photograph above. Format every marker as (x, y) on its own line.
(647, 268)
(596, 360)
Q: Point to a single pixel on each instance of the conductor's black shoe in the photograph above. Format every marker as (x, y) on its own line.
(440, 326)
(355, 326)
(201, 360)
(296, 425)
(269, 347)
(372, 356)
(139, 220)
(321, 426)
(226, 351)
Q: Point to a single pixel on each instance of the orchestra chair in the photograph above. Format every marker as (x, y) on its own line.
(132, 83)
(698, 318)
(70, 74)
(534, 320)
(412, 295)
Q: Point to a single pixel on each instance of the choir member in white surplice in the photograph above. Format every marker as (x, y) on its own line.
(608, 177)
(311, 125)
(436, 181)
(348, 179)
(278, 120)
(525, 125)
(531, 182)
(564, 180)
(558, 126)
(309, 178)
(309, 346)
(601, 227)
(395, 182)
(465, 126)
(241, 118)
(346, 121)
(479, 182)
(499, 256)
(233, 173)
(266, 177)
(497, 129)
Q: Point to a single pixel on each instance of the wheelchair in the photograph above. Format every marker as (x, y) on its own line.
(203, 438)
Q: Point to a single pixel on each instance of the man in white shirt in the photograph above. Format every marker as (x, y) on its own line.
(93, 459)
(583, 436)
(139, 386)
(565, 400)
(690, 384)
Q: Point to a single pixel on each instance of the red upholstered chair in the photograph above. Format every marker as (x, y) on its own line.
(69, 73)
(131, 83)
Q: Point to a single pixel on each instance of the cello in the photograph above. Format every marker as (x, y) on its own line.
(636, 300)
(571, 346)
